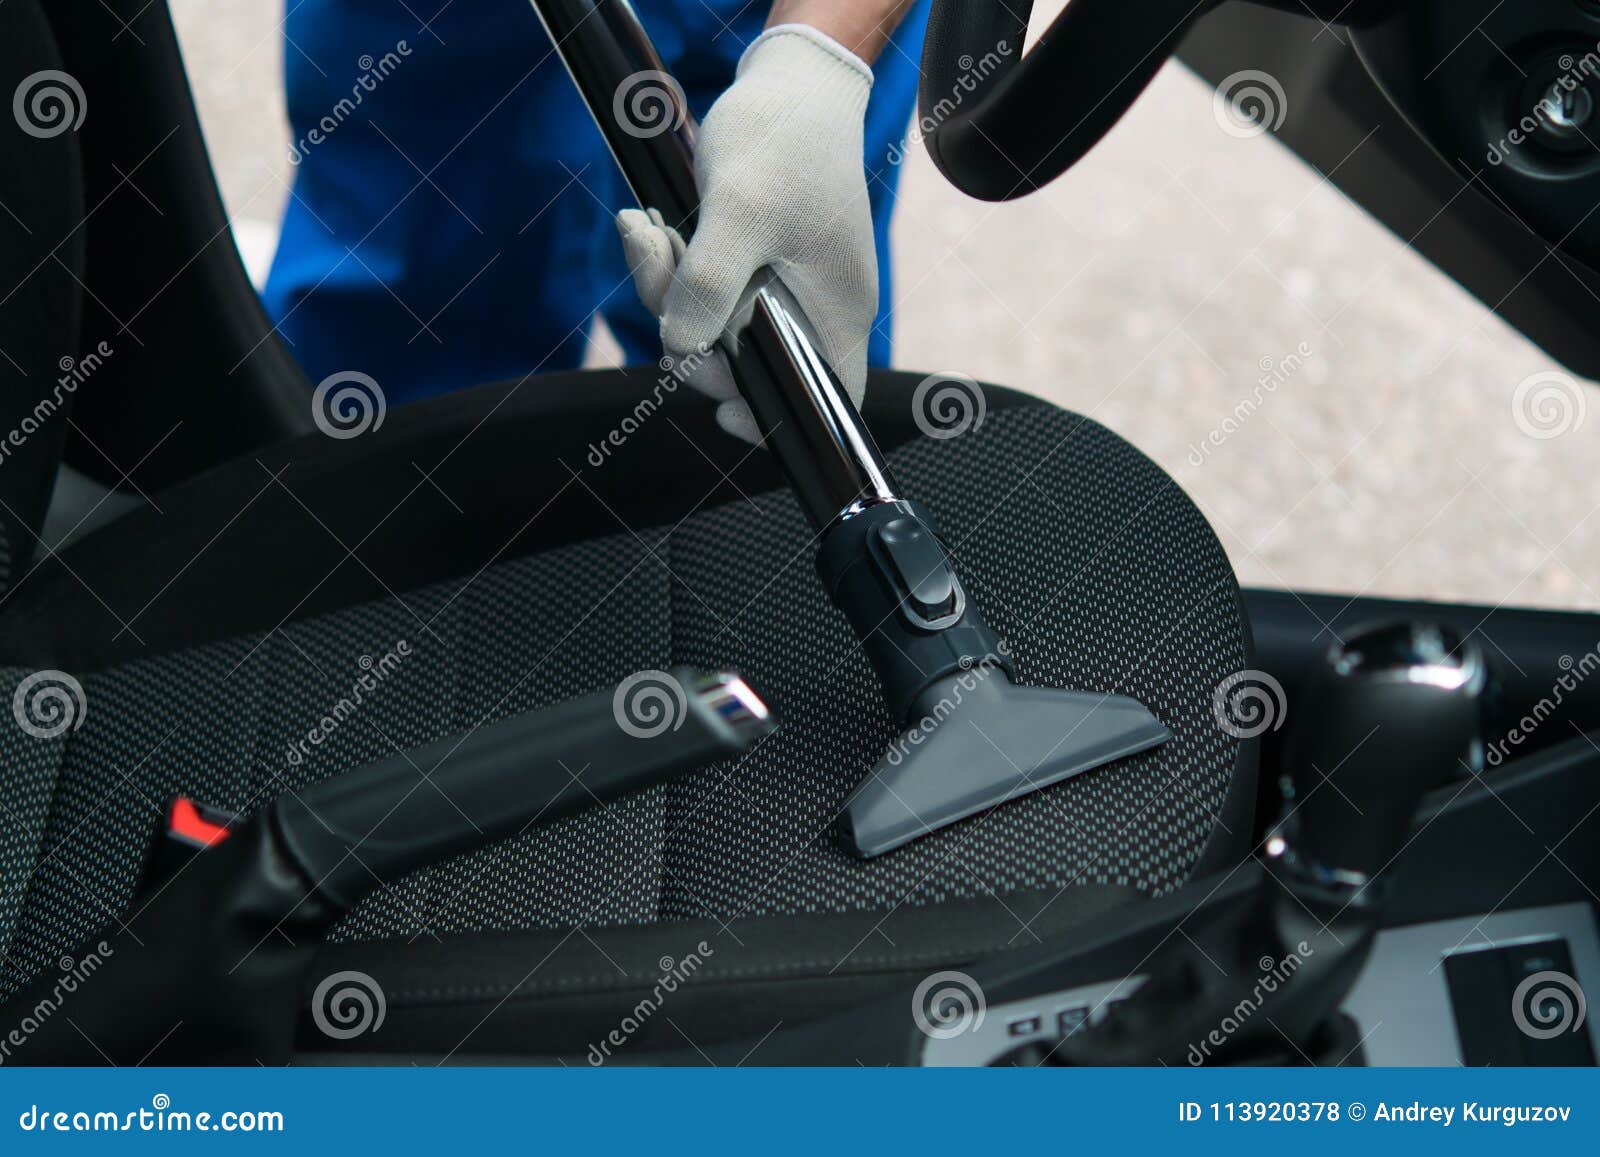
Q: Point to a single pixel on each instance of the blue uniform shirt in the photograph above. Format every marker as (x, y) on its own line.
(451, 217)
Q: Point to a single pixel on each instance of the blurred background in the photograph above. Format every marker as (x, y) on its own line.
(1153, 288)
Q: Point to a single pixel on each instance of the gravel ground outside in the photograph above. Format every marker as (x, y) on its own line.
(1154, 288)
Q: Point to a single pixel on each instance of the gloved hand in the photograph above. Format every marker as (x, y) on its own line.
(779, 162)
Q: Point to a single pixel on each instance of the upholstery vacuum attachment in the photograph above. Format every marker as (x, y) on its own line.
(974, 738)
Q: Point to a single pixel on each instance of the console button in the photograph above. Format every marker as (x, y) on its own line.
(1505, 997)
(1024, 1026)
(1550, 1003)
(1070, 1020)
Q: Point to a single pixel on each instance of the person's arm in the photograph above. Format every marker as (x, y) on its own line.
(779, 160)
(862, 26)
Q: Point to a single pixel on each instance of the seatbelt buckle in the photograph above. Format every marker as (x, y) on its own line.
(188, 828)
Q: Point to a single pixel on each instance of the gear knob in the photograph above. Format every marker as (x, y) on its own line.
(1394, 712)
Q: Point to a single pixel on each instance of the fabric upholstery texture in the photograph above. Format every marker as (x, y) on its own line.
(1090, 561)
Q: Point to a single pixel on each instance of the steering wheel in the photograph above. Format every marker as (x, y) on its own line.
(1000, 124)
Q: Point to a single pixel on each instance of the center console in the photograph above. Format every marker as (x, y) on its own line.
(1490, 945)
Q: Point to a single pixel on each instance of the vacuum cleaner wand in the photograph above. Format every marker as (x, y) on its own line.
(805, 416)
(975, 738)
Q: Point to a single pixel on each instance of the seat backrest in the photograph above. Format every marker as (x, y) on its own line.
(196, 376)
(42, 246)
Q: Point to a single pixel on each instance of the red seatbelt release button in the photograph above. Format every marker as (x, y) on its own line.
(195, 824)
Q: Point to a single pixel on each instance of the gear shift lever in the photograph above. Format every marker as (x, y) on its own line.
(1398, 711)
(1394, 712)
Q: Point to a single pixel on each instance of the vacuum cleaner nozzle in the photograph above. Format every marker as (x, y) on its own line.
(981, 740)
(974, 737)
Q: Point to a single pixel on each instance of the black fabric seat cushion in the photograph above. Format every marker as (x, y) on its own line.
(1089, 560)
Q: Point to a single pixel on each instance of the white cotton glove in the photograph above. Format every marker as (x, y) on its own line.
(779, 162)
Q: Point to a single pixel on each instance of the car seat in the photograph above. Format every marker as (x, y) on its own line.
(268, 565)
